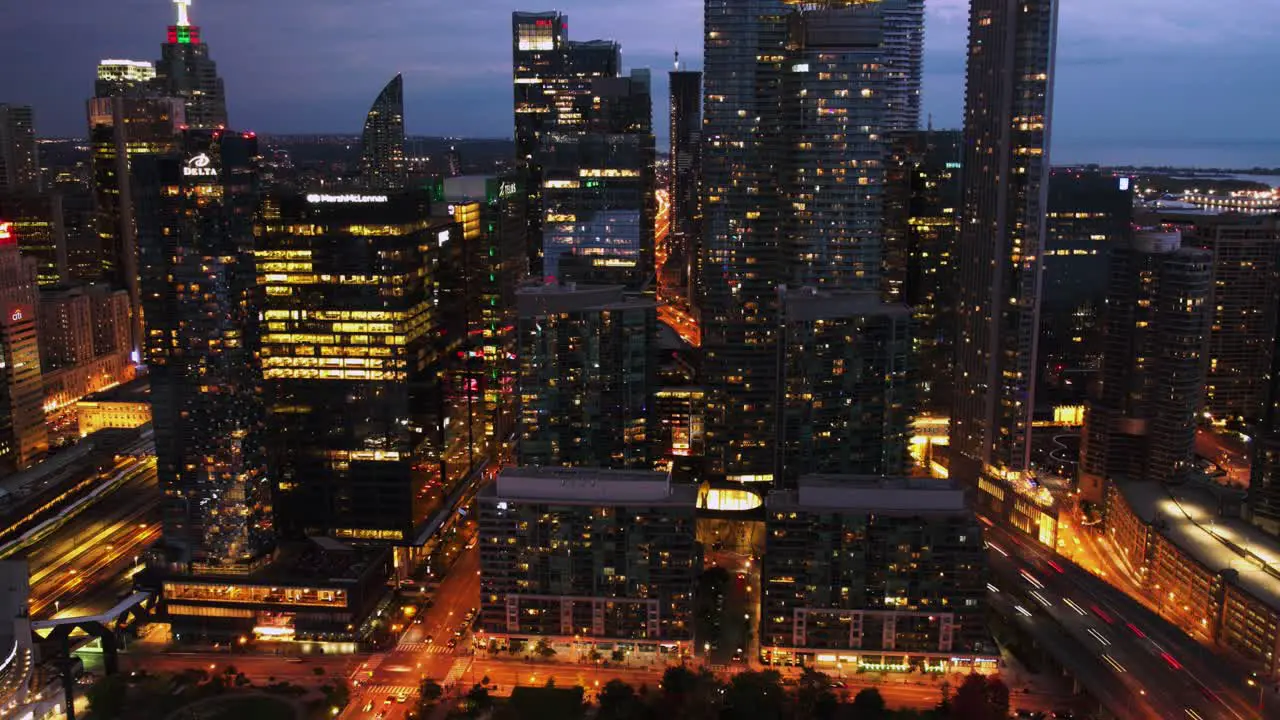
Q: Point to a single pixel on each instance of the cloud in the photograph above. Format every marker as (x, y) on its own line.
(1126, 67)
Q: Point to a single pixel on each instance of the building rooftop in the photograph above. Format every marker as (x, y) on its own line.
(870, 492)
(808, 304)
(590, 486)
(307, 563)
(1189, 516)
(138, 390)
(533, 299)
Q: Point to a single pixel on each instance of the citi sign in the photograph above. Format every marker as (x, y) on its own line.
(199, 166)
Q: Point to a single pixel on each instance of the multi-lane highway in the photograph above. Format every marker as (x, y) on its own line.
(83, 566)
(1129, 659)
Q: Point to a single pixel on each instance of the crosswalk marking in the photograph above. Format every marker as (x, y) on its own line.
(391, 689)
(422, 647)
(455, 673)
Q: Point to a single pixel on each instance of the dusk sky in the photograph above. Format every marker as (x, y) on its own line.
(1133, 74)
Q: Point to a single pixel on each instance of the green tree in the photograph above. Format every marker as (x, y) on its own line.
(618, 655)
(814, 699)
(478, 700)
(429, 692)
(686, 694)
(337, 695)
(107, 696)
(868, 704)
(980, 697)
(544, 650)
(619, 701)
(755, 696)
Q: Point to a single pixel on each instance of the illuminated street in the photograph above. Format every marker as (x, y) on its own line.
(1157, 662)
(423, 650)
(1229, 454)
(84, 566)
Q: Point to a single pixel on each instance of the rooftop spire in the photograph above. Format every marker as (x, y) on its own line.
(677, 58)
(183, 5)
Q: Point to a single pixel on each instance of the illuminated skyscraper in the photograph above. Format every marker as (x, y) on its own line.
(382, 144)
(123, 130)
(1008, 102)
(490, 213)
(922, 201)
(195, 233)
(125, 77)
(38, 224)
(598, 188)
(903, 60)
(355, 321)
(550, 74)
(1141, 424)
(1246, 282)
(796, 115)
(848, 392)
(186, 71)
(19, 159)
(1264, 470)
(588, 369)
(684, 179)
(23, 439)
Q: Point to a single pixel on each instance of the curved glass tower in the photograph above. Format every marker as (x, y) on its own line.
(382, 157)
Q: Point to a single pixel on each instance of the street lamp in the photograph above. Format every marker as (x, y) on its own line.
(1251, 682)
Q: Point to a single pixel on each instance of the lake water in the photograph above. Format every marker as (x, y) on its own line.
(1235, 155)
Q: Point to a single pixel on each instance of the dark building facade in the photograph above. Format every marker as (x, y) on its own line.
(201, 300)
(587, 375)
(889, 570)
(1141, 423)
(353, 361)
(1008, 104)
(66, 328)
(922, 203)
(382, 161)
(19, 156)
(185, 71)
(1264, 471)
(123, 130)
(1089, 212)
(684, 179)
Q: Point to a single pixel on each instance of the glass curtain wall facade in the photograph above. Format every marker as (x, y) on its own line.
(201, 300)
(352, 370)
(1008, 103)
(382, 162)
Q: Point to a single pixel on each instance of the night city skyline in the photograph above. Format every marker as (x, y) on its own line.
(407, 360)
(295, 67)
